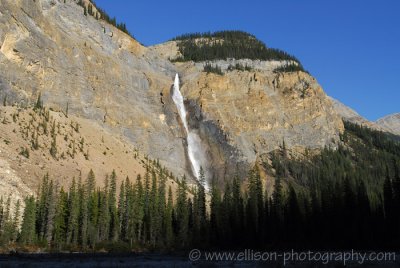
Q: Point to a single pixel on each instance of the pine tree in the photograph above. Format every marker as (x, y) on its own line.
(153, 221)
(42, 207)
(73, 217)
(255, 204)
(215, 214)
(83, 214)
(199, 211)
(225, 213)
(146, 203)
(39, 102)
(138, 211)
(161, 207)
(104, 217)
(182, 214)
(53, 147)
(122, 211)
(112, 202)
(16, 221)
(293, 220)
(388, 196)
(28, 227)
(128, 229)
(363, 215)
(51, 210)
(168, 220)
(7, 227)
(92, 209)
(277, 206)
(60, 220)
(396, 190)
(237, 206)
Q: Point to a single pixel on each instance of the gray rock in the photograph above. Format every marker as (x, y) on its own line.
(390, 123)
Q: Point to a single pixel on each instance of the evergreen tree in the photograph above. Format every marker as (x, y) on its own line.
(122, 211)
(255, 205)
(215, 214)
(154, 224)
(112, 202)
(83, 214)
(161, 209)
(51, 210)
(182, 214)
(168, 221)
(294, 218)
(104, 216)
(28, 227)
(388, 196)
(237, 206)
(73, 217)
(92, 209)
(277, 206)
(138, 211)
(7, 227)
(16, 221)
(199, 210)
(60, 220)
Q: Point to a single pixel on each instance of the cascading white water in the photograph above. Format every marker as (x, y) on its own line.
(195, 151)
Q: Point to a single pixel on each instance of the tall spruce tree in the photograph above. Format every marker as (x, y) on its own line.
(168, 221)
(112, 202)
(73, 217)
(61, 220)
(28, 227)
(182, 214)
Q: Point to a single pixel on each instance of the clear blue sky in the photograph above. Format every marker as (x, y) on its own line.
(352, 47)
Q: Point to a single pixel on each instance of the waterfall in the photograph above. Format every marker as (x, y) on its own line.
(195, 150)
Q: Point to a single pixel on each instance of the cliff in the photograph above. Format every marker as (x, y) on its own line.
(105, 79)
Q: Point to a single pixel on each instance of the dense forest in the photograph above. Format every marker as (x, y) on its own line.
(339, 199)
(227, 44)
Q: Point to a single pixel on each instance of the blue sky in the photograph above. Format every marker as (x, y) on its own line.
(350, 46)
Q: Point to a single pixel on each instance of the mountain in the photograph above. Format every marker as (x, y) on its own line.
(85, 65)
(391, 123)
(350, 115)
(103, 134)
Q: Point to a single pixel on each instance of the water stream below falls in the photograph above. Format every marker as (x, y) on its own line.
(194, 148)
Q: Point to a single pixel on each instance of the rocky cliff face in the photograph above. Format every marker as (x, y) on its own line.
(100, 74)
(242, 115)
(391, 123)
(50, 48)
(245, 114)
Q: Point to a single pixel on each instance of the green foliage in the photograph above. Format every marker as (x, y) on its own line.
(24, 152)
(209, 68)
(290, 67)
(240, 67)
(53, 147)
(61, 220)
(226, 44)
(39, 103)
(28, 231)
(344, 198)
